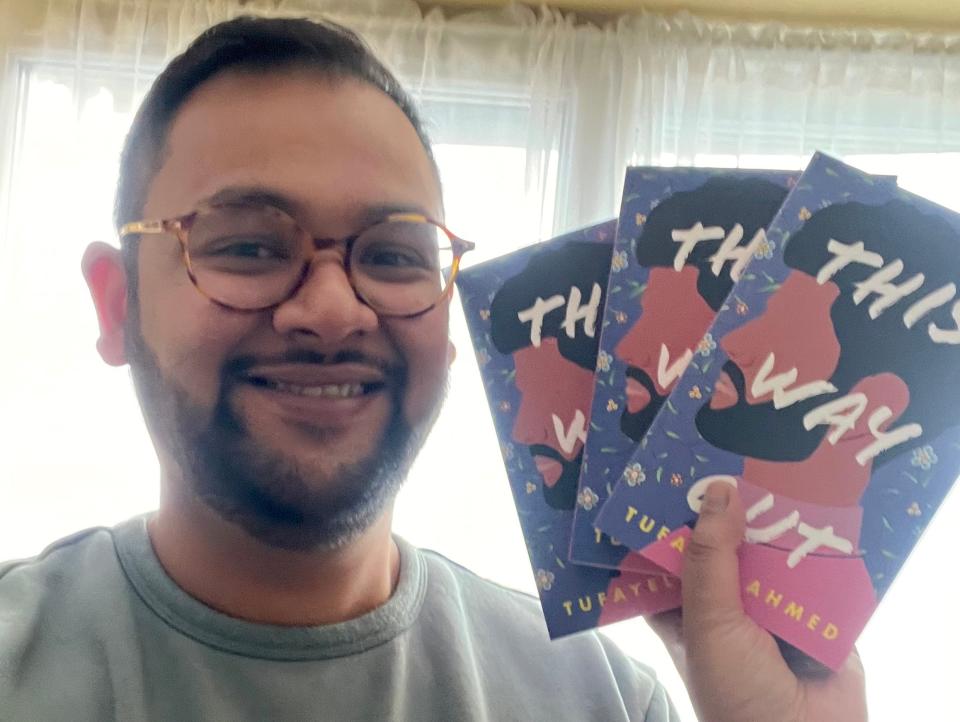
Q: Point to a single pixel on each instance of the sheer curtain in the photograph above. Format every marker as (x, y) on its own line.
(534, 117)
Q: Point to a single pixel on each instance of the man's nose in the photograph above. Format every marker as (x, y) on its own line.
(326, 305)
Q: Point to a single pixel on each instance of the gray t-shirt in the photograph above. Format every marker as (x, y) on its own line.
(94, 629)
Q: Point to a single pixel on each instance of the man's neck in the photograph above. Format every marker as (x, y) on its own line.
(221, 565)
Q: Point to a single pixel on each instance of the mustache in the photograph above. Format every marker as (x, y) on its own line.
(241, 365)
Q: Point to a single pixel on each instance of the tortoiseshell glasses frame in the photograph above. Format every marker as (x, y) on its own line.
(248, 256)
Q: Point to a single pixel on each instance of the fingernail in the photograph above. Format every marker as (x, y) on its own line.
(717, 497)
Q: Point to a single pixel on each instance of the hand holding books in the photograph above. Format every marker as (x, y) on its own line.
(734, 669)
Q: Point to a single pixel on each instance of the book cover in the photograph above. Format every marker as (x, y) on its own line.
(534, 320)
(826, 392)
(683, 233)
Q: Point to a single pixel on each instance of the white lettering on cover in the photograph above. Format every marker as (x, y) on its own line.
(535, 314)
(928, 303)
(567, 438)
(730, 250)
(816, 538)
(688, 239)
(952, 337)
(667, 373)
(889, 293)
(843, 256)
(881, 284)
(783, 395)
(587, 314)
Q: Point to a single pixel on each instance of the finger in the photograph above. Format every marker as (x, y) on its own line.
(711, 577)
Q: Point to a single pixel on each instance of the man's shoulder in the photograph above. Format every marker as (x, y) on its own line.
(58, 563)
(64, 579)
(506, 633)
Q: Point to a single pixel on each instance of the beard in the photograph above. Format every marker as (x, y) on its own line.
(279, 500)
(563, 494)
(759, 431)
(635, 425)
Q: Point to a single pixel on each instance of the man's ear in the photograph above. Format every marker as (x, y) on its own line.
(103, 270)
(451, 353)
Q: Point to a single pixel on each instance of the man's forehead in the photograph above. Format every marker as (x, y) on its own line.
(331, 146)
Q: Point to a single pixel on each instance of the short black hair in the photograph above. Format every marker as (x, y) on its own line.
(722, 201)
(551, 271)
(247, 44)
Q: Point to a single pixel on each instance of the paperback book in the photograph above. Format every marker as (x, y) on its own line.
(825, 392)
(684, 236)
(534, 320)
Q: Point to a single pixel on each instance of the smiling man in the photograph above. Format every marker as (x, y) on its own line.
(279, 297)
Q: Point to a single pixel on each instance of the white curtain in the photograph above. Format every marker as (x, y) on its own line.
(534, 117)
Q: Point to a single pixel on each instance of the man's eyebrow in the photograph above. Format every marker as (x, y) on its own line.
(254, 195)
(261, 195)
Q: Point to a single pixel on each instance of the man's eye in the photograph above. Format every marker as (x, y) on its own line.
(248, 250)
(252, 249)
(393, 257)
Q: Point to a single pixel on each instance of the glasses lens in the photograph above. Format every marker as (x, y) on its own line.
(400, 267)
(247, 257)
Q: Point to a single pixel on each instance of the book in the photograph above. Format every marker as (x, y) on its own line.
(533, 317)
(664, 291)
(826, 392)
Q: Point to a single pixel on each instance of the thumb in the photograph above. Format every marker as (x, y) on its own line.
(711, 577)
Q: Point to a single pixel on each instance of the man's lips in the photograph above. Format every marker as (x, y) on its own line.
(328, 395)
(550, 469)
(725, 393)
(312, 376)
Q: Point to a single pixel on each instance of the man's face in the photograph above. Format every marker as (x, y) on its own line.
(241, 405)
(673, 319)
(796, 328)
(555, 396)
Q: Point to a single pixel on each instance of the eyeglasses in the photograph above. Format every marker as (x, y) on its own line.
(252, 257)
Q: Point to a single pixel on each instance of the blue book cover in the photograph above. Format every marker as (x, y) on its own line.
(534, 321)
(683, 233)
(826, 392)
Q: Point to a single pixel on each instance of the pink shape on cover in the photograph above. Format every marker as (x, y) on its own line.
(646, 594)
(665, 554)
(638, 563)
(820, 606)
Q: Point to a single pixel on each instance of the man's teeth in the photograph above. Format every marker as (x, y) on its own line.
(339, 391)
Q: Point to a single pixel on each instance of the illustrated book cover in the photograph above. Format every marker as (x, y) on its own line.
(826, 393)
(684, 234)
(534, 320)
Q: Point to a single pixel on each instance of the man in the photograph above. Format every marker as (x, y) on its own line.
(285, 412)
